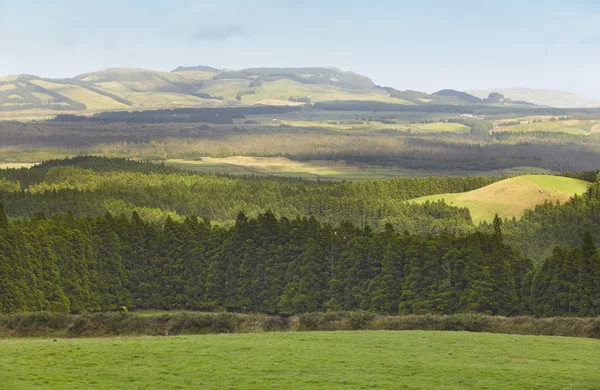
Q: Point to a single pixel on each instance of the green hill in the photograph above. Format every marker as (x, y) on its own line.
(511, 197)
(200, 86)
(204, 86)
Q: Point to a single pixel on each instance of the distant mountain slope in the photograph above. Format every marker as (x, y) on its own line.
(459, 95)
(204, 86)
(198, 86)
(541, 97)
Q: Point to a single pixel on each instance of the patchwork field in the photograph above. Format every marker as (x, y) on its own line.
(513, 196)
(350, 360)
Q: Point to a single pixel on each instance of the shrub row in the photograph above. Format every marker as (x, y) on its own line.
(47, 324)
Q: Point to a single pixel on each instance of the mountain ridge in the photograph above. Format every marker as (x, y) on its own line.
(204, 86)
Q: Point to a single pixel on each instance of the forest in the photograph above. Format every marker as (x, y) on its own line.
(281, 266)
(97, 234)
(93, 186)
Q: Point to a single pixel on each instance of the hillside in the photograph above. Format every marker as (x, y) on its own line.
(541, 97)
(511, 197)
(202, 86)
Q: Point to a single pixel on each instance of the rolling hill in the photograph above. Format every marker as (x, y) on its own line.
(201, 86)
(511, 197)
(541, 97)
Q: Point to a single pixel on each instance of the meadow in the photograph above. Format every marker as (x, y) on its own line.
(570, 126)
(350, 360)
(511, 197)
(369, 126)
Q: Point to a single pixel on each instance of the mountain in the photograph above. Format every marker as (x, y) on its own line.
(197, 86)
(204, 86)
(541, 97)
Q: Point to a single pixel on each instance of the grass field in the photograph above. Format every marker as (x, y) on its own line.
(92, 100)
(513, 196)
(366, 126)
(15, 165)
(329, 360)
(571, 126)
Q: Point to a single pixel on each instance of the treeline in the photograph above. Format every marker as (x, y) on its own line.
(281, 266)
(436, 155)
(27, 177)
(221, 115)
(70, 264)
(568, 282)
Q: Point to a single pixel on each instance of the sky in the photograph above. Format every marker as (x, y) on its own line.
(424, 45)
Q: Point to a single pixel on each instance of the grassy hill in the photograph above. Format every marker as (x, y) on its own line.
(541, 97)
(139, 89)
(511, 197)
(349, 360)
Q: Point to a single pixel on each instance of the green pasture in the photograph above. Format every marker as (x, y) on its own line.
(511, 197)
(312, 360)
(571, 126)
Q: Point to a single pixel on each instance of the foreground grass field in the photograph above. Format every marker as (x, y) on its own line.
(360, 360)
(513, 196)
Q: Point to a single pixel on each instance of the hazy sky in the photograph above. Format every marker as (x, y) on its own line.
(424, 45)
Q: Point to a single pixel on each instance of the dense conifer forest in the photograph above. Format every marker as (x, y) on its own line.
(93, 186)
(281, 266)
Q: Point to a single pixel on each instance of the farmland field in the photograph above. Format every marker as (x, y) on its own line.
(512, 197)
(572, 126)
(411, 359)
(365, 126)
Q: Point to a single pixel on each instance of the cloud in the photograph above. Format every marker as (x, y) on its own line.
(219, 33)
